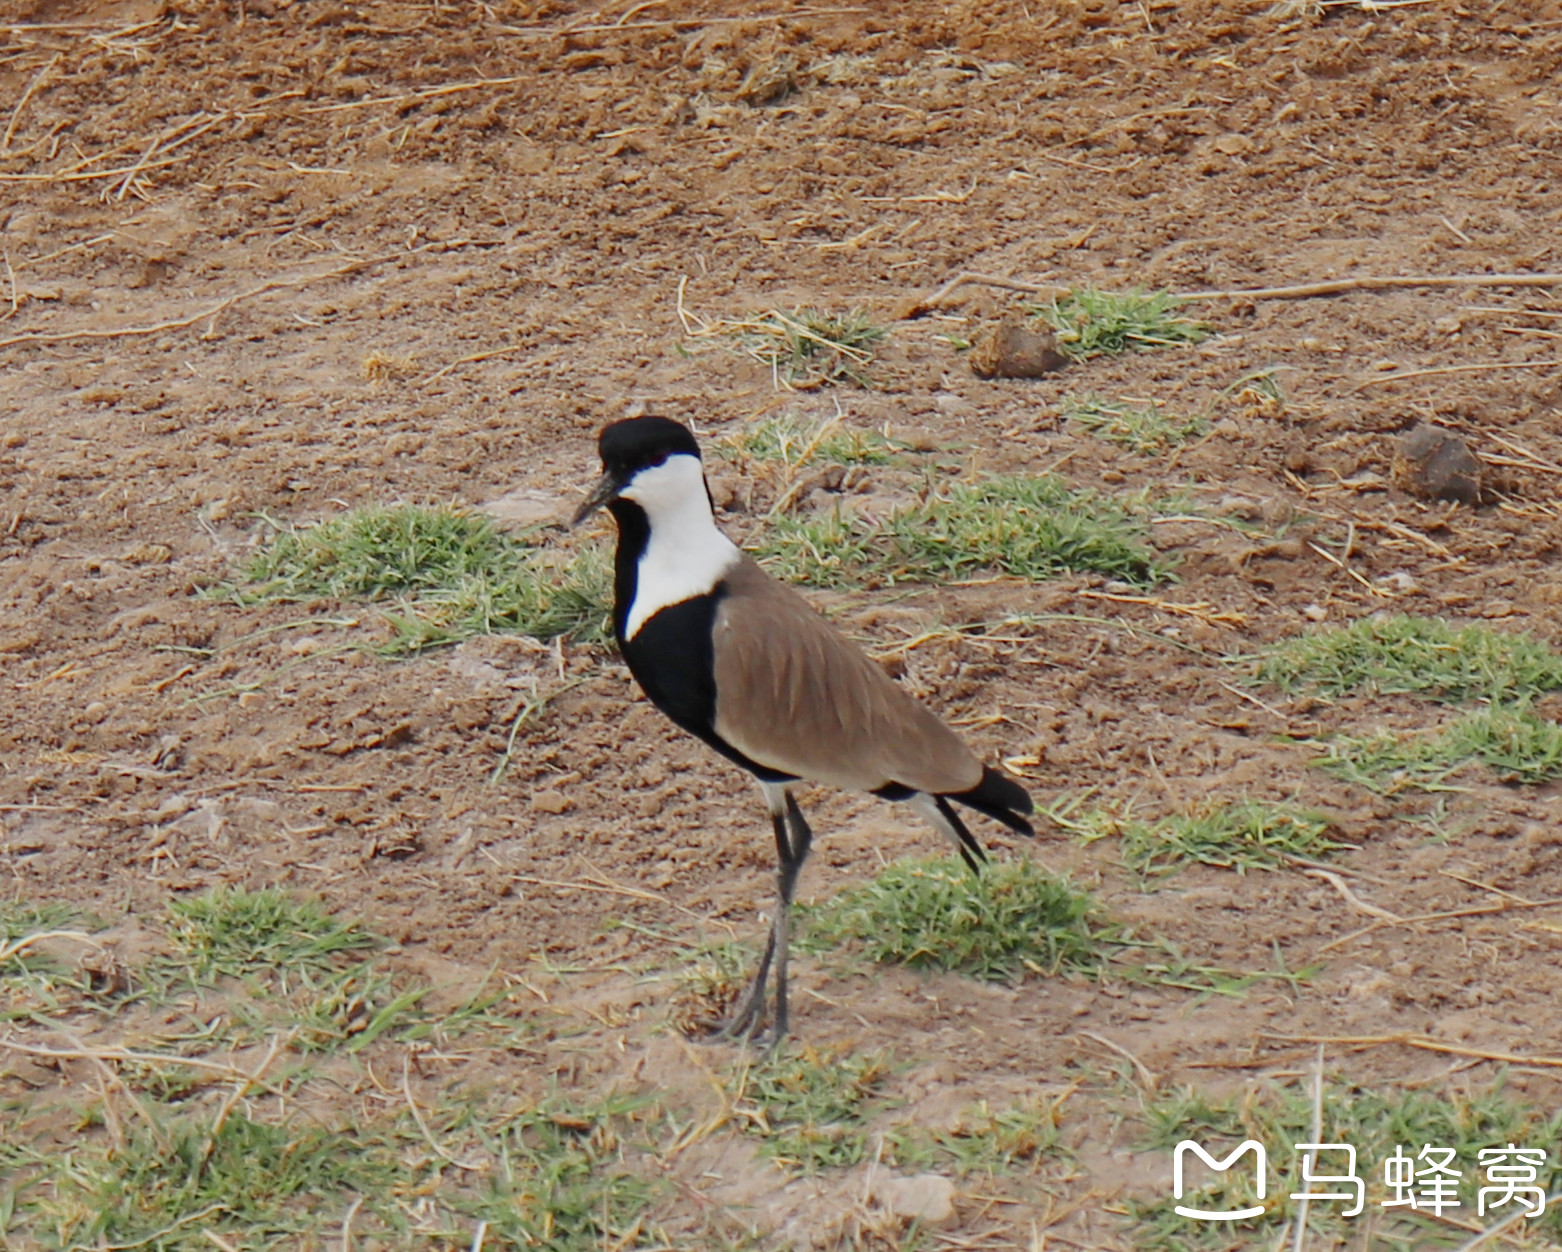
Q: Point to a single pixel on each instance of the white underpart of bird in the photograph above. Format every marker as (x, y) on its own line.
(687, 554)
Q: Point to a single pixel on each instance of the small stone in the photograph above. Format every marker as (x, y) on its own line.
(94, 712)
(1315, 612)
(550, 802)
(1438, 465)
(925, 1198)
(1007, 349)
(1401, 583)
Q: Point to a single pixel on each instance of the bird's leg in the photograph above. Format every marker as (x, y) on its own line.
(750, 1007)
(793, 839)
(802, 838)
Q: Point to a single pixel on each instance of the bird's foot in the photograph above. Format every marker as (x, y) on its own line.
(748, 1017)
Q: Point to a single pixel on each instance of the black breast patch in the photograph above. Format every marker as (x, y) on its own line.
(674, 660)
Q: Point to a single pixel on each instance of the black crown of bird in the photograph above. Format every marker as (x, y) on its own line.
(746, 664)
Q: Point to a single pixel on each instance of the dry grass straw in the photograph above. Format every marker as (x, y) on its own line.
(27, 94)
(1300, 291)
(1221, 619)
(382, 367)
(804, 349)
(1424, 1044)
(1483, 368)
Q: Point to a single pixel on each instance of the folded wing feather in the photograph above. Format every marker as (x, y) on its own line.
(797, 697)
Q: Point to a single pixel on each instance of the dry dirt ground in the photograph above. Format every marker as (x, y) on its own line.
(215, 213)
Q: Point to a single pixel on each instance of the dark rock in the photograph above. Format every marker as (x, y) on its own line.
(1007, 349)
(1438, 465)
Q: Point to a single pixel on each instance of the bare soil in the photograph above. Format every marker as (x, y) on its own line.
(214, 216)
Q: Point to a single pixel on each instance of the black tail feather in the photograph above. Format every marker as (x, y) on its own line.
(999, 797)
(971, 851)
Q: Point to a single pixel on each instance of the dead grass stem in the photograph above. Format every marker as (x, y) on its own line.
(1482, 368)
(1422, 1042)
(27, 94)
(1375, 282)
(1479, 910)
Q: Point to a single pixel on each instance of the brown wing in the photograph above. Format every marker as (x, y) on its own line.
(793, 695)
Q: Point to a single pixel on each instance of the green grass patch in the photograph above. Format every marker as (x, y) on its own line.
(1012, 920)
(1242, 836)
(1164, 964)
(1258, 393)
(1143, 427)
(443, 573)
(345, 1012)
(34, 979)
(1033, 528)
(238, 933)
(18, 920)
(552, 1175)
(810, 1109)
(795, 442)
(167, 1183)
(1090, 322)
(1390, 655)
(18, 924)
(808, 347)
(708, 979)
(560, 1178)
(1375, 1123)
(981, 1140)
(1515, 744)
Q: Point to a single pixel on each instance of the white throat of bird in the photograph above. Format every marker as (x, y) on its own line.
(685, 555)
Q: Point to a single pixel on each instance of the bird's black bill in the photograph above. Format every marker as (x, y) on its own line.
(608, 486)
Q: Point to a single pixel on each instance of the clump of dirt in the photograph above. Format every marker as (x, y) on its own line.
(1008, 349)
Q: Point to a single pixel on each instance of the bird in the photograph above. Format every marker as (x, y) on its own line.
(745, 663)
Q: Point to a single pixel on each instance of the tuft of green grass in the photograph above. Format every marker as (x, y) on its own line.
(170, 1181)
(1242, 836)
(1375, 1123)
(348, 1011)
(448, 574)
(18, 919)
(1390, 655)
(708, 978)
(834, 549)
(796, 442)
(981, 1140)
(1033, 528)
(1090, 322)
(1513, 743)
(237, 933)
(560, 1179)
(808, 347)
(810, 1108)
(1258, 393)
(36, 977)
(1145, 428)
(1011, 920)
(552, 1175)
